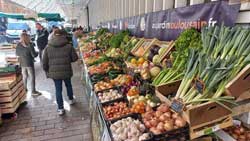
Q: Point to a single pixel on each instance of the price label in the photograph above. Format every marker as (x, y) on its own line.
(177, 105)
(199, 85)
(169, 63)
(209, 130)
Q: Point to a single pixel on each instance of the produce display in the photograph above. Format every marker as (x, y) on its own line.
(109, 95)
(102, 68)
(102, 85)
(239, 133)
(116, 110)
(138, 107)
(148, 99)
(176, 64)
(162, 120)
(225, 54)
(129, 129)
(122, 79)
(204, 61)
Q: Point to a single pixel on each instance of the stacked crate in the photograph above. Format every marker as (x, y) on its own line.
(12, 93)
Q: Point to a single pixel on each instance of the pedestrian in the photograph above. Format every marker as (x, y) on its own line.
(57, 59)
(42, 38)
(52, 33)
(74, 38)
(27, 54)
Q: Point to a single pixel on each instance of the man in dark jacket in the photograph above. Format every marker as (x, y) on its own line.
(57, 59)
(42, 38)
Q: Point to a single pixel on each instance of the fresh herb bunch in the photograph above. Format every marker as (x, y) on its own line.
(188, 39)
(117, 39)
(101, 32)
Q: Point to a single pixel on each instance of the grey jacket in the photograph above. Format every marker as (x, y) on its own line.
(57, 58)
(26, 55)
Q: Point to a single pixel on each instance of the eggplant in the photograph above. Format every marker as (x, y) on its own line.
(150, 56)
(156, 49)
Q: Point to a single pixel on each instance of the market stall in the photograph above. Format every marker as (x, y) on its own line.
(186, 89)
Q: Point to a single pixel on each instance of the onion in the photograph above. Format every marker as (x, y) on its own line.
(242, 137)
(248, 135)
(175, 115)
(147, 115)
(155, 131)
(160, 126)
(147, 124)
(235, 136)
(148, 108)
(158, 114)
(153, 122)
(163, 108)
(242, 130)
(168, 126)
(176, 127)
(163, 118)
(237, 131)
(168, 114)
(180, 122)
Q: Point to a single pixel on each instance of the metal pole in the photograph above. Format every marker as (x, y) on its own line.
(87, 8)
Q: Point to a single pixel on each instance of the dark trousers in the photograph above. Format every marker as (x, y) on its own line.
(59, 97)
(40, 54)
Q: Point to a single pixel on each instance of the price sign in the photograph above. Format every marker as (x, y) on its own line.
(177, 105)
(169, 63)
(199, 85)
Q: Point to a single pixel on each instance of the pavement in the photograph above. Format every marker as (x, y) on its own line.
(38, 120)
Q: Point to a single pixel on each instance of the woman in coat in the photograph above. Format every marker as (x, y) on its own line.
(26, 53)
(57, 59)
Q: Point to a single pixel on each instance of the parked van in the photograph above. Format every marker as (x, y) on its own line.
(14, 31)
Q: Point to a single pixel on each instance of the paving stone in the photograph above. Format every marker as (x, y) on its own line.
(38, 120)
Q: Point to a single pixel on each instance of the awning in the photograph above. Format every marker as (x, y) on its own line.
(12, 15)
(46, 16)
(50, 16)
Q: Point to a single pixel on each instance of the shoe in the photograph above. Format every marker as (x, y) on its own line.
(35, 93)
(71, 102)
(60, 112)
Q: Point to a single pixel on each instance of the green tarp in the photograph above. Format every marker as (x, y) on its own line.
(12, 15)
(46, 16)
(51, 16)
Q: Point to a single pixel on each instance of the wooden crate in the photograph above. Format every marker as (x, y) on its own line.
(243, 104)
(210, 127)
(170, 46)
(8, 96)
(197, 115)
(9, 83)
(14, 106)
(240, 83)
(145, 47)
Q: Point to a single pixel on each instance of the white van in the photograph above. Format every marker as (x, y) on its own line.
(14, 30)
